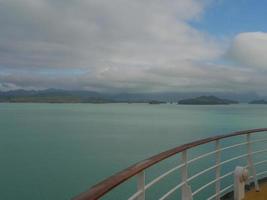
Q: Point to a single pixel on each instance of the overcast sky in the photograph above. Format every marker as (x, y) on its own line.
(134, 45)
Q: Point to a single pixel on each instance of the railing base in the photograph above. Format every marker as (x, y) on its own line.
(230, 195)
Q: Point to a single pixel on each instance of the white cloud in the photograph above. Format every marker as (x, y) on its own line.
(8, 86)
(249, 49)
(118, 45)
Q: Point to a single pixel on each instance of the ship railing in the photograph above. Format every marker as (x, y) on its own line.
(138, 170)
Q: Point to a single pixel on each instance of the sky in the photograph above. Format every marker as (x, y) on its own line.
(134, 45)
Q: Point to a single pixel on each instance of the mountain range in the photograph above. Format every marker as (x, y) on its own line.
(83, 96)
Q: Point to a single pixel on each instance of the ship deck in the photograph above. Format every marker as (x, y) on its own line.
(254, 195)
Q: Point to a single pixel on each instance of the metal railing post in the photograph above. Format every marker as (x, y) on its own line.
(218, 169)
(251, 166)
(141, 185)
(186, 190)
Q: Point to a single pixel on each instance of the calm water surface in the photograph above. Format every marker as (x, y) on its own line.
(55, 151)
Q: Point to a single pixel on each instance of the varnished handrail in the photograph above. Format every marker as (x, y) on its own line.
(108, 184)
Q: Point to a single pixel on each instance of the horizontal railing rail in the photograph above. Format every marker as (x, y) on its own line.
(138, 170)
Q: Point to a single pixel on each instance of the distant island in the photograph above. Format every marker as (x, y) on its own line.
(261, 101)
(156, 102)
(69, 96)
(84, 96)
(52, 96)
(207, 100)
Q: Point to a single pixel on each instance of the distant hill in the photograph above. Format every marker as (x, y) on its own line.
(52, 96)
(261, 101)
(71, 96)
(156, 102)
(207, 100)
(82, 96)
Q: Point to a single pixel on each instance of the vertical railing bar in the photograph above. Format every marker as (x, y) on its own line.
(186, 189)
(141, 185)
(218, 169)
(184, 173)
(251, 166)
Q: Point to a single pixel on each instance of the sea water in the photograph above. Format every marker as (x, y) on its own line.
(56, 151)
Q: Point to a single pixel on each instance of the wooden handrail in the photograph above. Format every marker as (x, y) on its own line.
(108, 184)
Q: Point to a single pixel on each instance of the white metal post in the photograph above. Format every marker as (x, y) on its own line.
(251, 166)
(240, 177)
(218, 169)
(141, 185)
(186, 189)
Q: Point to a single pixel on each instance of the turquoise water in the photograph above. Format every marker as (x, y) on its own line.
(56, 151)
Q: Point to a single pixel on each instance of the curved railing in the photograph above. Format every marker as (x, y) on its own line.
(138, 170)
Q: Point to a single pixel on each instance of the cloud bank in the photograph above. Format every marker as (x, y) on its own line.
(249, 49)
(116, 46)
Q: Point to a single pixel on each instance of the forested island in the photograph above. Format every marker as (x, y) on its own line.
(52, 96)
(82, 96)
(207, 100)
(261, 101)
(156, 102)
(71, 96)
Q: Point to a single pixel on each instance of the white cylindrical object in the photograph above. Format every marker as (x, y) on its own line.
(240, 177)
